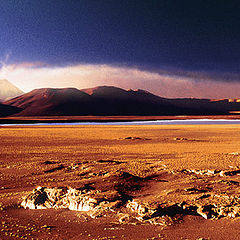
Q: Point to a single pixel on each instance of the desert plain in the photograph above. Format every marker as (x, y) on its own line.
(132, 182)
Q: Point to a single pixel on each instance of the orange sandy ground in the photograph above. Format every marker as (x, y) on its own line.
(23, 150)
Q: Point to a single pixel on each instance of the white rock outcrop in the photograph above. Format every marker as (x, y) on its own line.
(43, 198)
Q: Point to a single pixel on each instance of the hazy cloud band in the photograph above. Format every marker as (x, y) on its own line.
(28, 76)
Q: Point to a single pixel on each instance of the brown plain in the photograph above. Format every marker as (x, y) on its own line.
(56, 156)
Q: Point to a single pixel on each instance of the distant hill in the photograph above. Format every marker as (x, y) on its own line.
(52, 102)
(113, 101)
(108, 100)
(8, 90)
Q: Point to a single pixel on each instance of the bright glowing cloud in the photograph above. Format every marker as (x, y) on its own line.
(28, 76)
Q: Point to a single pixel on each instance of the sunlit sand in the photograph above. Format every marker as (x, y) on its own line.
(146, 175)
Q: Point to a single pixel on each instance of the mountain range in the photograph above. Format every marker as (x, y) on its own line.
(105, 101)
(111, 101)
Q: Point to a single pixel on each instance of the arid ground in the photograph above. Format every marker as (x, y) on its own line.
(148, 182)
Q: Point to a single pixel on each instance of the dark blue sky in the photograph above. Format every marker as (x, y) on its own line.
(189, 35)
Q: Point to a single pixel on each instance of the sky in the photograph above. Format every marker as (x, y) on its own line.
(171, 48)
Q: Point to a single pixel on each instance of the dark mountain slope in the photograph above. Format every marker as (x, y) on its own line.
(116, 101)
(6, 110)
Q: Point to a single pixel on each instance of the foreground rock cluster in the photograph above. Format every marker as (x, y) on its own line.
(111, 203)
(215, 207)
(72, 199)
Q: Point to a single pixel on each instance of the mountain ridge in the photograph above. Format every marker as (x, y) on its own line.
(113, 101)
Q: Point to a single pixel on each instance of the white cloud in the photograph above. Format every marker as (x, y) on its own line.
(28, 76)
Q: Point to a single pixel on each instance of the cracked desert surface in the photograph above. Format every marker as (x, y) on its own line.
(120, 182)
